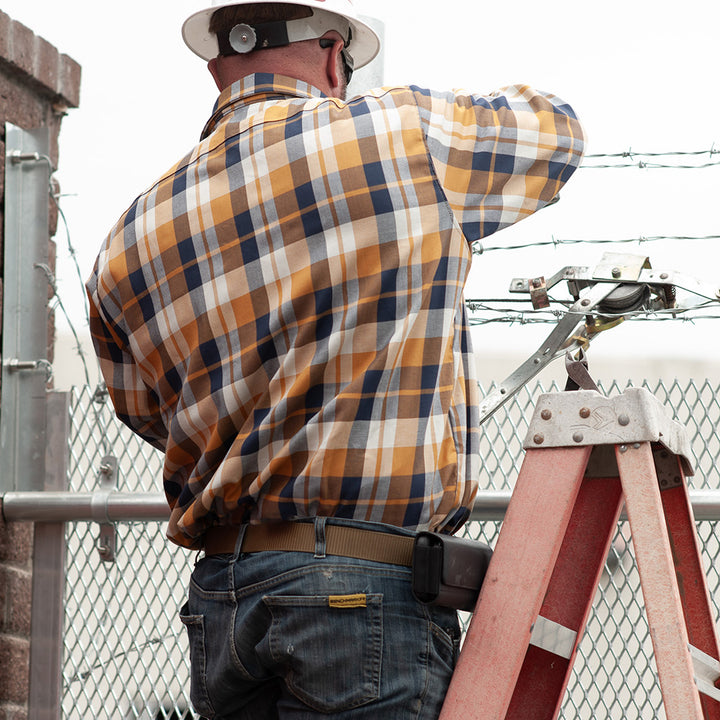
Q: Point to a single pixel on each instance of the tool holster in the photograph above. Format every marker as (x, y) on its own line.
(448, 571)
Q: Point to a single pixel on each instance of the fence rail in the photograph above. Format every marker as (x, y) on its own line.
(103, 507)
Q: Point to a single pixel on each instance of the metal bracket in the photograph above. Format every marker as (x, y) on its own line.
(621, 266)
(107, 540)
(585, 417)
(666, 468)
(24, 310)
(538, 293)
(628, 270)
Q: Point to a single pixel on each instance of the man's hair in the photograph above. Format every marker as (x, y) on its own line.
(225, 19)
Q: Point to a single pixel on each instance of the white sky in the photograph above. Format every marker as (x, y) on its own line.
(641, 74)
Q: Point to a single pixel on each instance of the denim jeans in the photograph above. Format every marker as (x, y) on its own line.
(291, 635)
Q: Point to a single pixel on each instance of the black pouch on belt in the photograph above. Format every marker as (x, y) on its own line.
(448, 571)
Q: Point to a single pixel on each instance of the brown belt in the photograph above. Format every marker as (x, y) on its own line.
(300, 537)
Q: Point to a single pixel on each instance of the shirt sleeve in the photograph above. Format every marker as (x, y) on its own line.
(135, 402)
(501, 157)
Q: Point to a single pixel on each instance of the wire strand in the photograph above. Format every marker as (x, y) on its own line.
(480, 249)
(643, 164)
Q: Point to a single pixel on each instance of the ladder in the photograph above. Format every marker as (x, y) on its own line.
(586, 456)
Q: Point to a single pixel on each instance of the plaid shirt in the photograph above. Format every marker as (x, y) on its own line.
(282, 313)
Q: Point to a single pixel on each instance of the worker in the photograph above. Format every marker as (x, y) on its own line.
(282, 314)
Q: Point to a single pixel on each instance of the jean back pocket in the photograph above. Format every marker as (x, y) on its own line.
(329, 647)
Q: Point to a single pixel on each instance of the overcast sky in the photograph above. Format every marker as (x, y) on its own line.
(641, 75)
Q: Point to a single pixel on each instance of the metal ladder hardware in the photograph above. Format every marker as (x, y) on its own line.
(587, 456)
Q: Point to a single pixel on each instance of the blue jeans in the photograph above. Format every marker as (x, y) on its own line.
(291, 635)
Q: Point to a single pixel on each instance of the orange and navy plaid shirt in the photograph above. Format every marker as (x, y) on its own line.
(282, 312)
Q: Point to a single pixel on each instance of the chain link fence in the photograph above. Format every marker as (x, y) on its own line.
(125, 650)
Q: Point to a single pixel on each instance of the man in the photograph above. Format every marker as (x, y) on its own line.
(282, 314)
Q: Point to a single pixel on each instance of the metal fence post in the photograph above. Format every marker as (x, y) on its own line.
(25, 315)
(48, 591)
(34, 424)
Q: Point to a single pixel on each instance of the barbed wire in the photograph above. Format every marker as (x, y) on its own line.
(480, 249)
(643, 165)
(58, 300)
(646, 165)
(530, 316)
(55, 196)
(71, 250)
(510, 320)
(667, 153)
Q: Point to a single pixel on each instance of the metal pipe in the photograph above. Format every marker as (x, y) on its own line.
(705, 504)
(492, 505)
(104, 507)
(100, 507)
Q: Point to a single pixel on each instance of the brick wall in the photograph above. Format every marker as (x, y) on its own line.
(15, 589)
(37, 87)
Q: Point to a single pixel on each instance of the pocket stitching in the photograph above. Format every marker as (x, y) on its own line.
(369, 689)
(197, 623)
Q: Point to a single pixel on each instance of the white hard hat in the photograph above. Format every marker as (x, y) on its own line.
(363, 44)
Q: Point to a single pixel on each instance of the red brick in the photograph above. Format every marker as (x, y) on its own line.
(58, 76)
(15, 601)
(69, 81)
(17, 104)
(12, 712)
(16, 544)
(53, 214)
(6, 24)
(47, 64)
(23, 48)
(15, 662)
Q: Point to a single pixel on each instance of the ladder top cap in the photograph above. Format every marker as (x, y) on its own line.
(585, 417)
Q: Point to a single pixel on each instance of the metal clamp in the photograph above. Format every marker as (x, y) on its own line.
(107, 539)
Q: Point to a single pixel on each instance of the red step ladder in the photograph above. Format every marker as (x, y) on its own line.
(586, 454)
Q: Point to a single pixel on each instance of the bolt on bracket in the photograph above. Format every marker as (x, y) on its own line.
(585, 417)
(107, 539)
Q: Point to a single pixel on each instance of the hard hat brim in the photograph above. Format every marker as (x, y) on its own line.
(364, 46)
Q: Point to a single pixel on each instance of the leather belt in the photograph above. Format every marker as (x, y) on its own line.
(340, 540)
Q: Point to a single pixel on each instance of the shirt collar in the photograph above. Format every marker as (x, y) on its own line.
(259, 87)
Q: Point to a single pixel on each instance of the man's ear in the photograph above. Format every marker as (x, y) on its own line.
(333, 69)
(213, 67)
